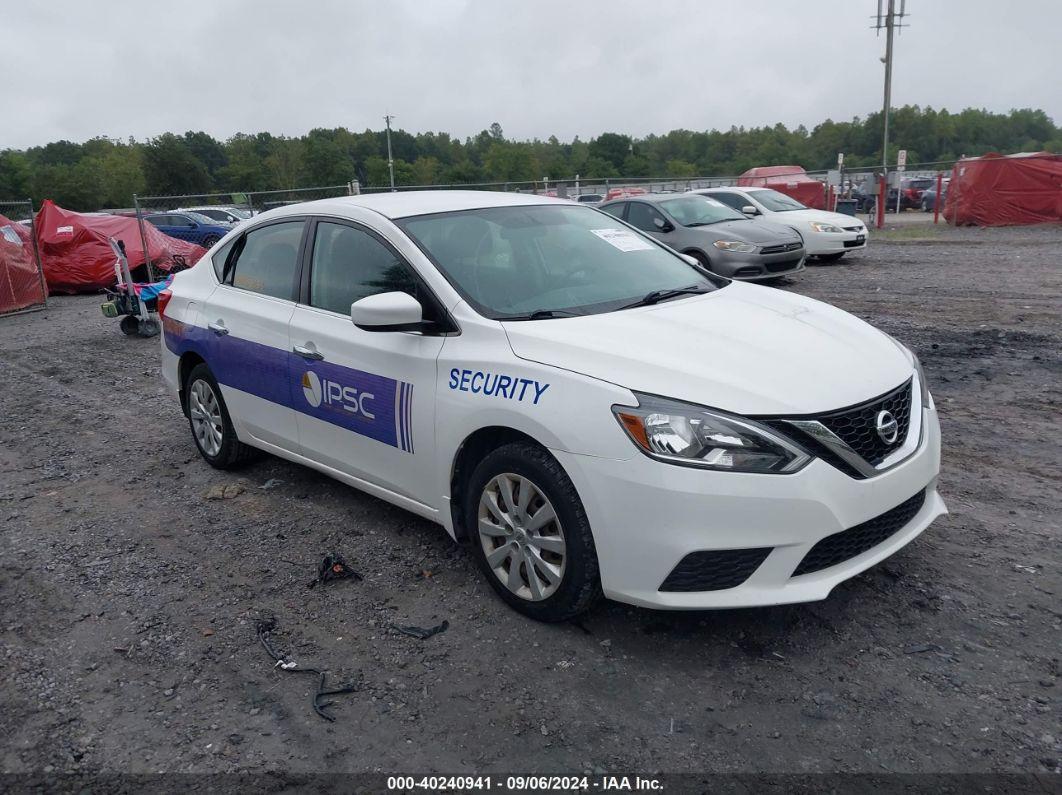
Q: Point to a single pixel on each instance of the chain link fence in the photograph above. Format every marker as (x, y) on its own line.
(201, 219)
(22, 287)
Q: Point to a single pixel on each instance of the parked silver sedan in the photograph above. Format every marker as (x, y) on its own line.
(720, 238)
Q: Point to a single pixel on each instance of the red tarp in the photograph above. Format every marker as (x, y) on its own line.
(76, 256)
(1005, 190)
(790, 180)
(20, 283)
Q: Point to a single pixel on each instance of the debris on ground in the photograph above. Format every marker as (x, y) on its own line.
(331, 568)
(224, 491)
(422, 633)
(267, 625)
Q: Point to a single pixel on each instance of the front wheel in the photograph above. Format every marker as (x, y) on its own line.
(211, 425)
(831, 257)
(530, 534)
(210, 240)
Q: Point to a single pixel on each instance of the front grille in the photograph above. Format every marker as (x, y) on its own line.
(781, 248)
(747, 271)
(854, 243)
(715, 570)
(856, 540)
(853, 228)
(784, 265)
(857, 427)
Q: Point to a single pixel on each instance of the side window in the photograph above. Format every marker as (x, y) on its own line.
(218, 260)
(734, 200)
(267, 261)
(350, 264)
(178, 220)
(615, 209)
(643, 217)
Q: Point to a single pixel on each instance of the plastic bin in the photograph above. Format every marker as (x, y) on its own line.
(847, 206)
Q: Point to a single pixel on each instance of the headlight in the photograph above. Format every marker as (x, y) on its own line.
(681, 433)
(735, 245)
(820, 227)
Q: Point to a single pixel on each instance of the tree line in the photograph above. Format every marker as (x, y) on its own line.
(105, 173)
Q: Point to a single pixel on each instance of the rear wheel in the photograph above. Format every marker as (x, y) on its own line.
(831, 257)
(209, 420)
(530, 534)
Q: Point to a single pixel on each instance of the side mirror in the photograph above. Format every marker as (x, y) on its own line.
(662, 224)
(748, 209)
(388, 312)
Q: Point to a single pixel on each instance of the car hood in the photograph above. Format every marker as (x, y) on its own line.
(748, 231)
(803, 217)
(743, 348)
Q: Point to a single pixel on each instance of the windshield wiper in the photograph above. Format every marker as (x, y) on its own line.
(542, 314)
(709, 223)
(656, 296)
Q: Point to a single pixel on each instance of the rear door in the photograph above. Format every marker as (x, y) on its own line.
(247, 320)
(365, 399)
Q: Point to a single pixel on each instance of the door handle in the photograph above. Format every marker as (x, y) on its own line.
(308, 353)
(218, 328)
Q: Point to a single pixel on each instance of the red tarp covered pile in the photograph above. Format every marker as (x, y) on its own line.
(76, 256)
(790, 180)
(1005, 190)
(20, 284)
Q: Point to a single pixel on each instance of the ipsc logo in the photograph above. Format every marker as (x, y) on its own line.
(322, 392)
(311, 387)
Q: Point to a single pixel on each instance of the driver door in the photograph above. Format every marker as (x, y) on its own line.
(365, 400)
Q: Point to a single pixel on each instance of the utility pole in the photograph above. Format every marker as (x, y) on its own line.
(390, 159)
(890, 20)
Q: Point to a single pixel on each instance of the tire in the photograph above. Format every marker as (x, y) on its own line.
(228, 452)
(831, 257)
(564, 542)
(130, 325)
(210, 240)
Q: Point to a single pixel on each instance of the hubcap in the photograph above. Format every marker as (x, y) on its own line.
(521, 537)
(205, 412)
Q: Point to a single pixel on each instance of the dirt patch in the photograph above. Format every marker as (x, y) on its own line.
(132, 575)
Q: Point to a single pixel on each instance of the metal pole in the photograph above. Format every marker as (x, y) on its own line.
(390, 159)
(37, 253)
(143, 239)
(939, 197)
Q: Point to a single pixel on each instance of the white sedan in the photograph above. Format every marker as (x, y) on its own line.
(828, 236)
(589, 411)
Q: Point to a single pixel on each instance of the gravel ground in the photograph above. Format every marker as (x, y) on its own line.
(130, 583)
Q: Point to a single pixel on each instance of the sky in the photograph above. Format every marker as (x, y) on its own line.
(76, 70)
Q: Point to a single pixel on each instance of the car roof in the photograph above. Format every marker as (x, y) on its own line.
(652, 198)
(403, 204)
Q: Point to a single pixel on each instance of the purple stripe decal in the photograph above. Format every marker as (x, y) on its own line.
(365, 403)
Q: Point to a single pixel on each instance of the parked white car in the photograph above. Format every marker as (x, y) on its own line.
(828, 236)
(588, 410)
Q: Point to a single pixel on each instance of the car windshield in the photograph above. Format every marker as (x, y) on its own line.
(199, 218)
(548, 260)
(777, 202)
(238, 212)
(700, 211)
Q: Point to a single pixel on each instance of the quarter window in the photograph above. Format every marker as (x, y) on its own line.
(350, 264)
(267, 261)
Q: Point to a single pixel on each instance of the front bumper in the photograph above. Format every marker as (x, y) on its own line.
(647, 516)
(818, 243)
(758, 266)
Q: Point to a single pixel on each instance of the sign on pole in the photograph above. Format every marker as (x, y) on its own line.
(840, 160)
(901, 160)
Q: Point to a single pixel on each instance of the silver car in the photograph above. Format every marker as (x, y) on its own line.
(720, 238)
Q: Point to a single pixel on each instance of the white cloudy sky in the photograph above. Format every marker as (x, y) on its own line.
(75, 70)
